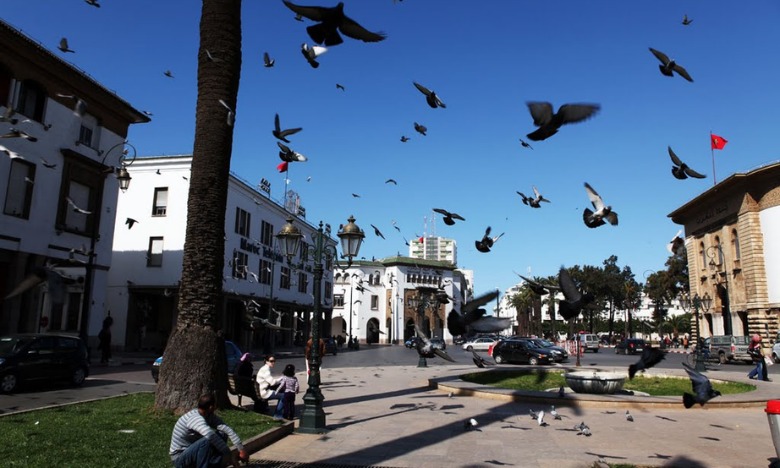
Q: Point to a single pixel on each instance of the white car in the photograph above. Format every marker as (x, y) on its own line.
(480, 344)
(776, 349)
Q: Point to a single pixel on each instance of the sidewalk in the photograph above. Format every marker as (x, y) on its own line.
(402, 422)
(125, 358)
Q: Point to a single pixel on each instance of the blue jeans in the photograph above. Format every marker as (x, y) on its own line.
(758, 372)
(279, 412)
(201, 454)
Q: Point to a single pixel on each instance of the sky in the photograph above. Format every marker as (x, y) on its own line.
(485, 60)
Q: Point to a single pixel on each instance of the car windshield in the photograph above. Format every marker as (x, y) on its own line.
(533, 344)
(545, 343)
(11, 345)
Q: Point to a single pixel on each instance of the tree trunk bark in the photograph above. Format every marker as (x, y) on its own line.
(194, 362)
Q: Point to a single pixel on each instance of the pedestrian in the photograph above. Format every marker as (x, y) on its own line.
(685, 342)
(289, 383)
(244, 368)
(757, 354)
(104, 340)
(268, 385)
(199, 438)
(307, 354)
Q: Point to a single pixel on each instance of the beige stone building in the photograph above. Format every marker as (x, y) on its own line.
(732, 236)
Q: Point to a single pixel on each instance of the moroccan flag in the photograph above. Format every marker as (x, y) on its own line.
(718, 142)
(420, 239)
(282, 167)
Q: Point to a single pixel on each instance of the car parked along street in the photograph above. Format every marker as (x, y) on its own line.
(41, 356)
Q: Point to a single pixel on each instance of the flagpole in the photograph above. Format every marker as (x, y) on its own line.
(712, 152)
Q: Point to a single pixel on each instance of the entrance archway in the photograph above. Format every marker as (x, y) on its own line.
(409, 330)
(372, 332)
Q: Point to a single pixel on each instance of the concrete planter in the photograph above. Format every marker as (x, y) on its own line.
(595, 382)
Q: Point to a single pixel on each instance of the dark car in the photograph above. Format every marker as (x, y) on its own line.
(41, 356)
(559, 353)
(521, 351)
(331, 347)
(630, 346)
(233, 356)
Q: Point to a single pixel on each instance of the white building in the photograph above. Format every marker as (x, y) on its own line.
(72, 158)
(434, 248)
(148, 253)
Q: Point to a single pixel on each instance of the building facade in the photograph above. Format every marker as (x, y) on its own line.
(434, 248)
(77, 129)
(732, 239)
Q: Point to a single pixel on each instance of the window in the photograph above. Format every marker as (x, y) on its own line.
(240, 262)
(160, 206)
(735, 244)
(266, 268)
(32, 98)
(18, 196)
(155, 253)
(243, 220)
(702, 256)
(88, 130)
(303, 282)
(374, 302)
(303, 251)
(328, 261)
(266, 234)
(80, 195)
(67, 345)
(82, 182)
(338, 301)
(43, 345)
(719, 248)
(6, 79)
(328, 290)
(284, 280)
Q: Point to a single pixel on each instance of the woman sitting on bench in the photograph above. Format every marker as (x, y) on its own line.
(268, 384)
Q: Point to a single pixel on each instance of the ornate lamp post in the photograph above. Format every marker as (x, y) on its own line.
(715, 269)
(313, 416)
(686, 303)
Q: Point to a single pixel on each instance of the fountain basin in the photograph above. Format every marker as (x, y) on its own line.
(595, 382)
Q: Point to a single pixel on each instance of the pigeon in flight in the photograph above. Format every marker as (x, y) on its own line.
(341, 87)
(554, 414)
(650, 357)
(14, 133)
(356, 195)
(391, 181)
(538, 288)
(677, 246)
(94, 3)
(430, 97)
(487, 242)
(267, 62)
(8, 116)
(594, 220)
(470, 424)
(330, 22)
(47, 164)
(168, 74)
(57, 283)
(421, 129)
(575, 300)
(686, 21)
(668, 66)
(231, 116)
(64, 46)
(525, 144)
(479, 361)
(629, 418)
(377, 232)
(282, 134)
(211, 58)
(702, 388)
(549, 123)
(425, 347)
(80, 108)
(680, 170)
(288, 155)
(311, 53)
(449, 218)
(10, 153)
(472, 318)
(534, 202)
(404, 139)
(76, 208)
(130, 223)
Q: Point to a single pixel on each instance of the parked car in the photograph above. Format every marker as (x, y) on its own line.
(730, 348)
(630, 346)
(480, 344)
(589, 342)
(560, 354)
(41, 356)
(522, 351)
(233, 356)
(331, 347)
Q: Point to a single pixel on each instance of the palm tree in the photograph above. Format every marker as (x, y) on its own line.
(522, 301)
(194, 361)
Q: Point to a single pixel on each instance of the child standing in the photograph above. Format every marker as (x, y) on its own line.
(289, 383)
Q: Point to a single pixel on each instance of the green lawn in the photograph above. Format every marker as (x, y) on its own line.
(541, 381)
(88, 435)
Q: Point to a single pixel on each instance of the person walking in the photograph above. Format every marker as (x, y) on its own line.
(307, 354)
(289, 383)
(269, 385)
(104, 340)
(199, 438)
(757, 354)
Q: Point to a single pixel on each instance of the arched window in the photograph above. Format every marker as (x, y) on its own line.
(6, 79)
(735, 244)
(32, 99)
(702, 256)
(719, 249)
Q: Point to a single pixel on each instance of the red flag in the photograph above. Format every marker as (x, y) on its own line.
(420, 239)
(282, 167)
(718, 142)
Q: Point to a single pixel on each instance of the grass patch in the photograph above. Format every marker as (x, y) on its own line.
(541, 381)
(87, 435)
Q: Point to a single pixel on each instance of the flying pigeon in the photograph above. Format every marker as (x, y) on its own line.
(430, 97)
(594, 220)
(421, 129)
(487, 242)
(702, 389)
(267, 62)
(650, 357)
(470, 424)
(76, 208)
(377, 232)
(449, 218)
(57, 283)
(282, 134)
(47, 164)
(538, 288)
(130, 222)
(64, 46)
(374, 329)
(391, 181)
(554, 414)
(680, 170)
(14, 133)
(479, 361)
(94, 3)
(211, 58)
(677, 245)
(686, 21)
(168, 74)
(341, 87)
(355, 195)
(8, 116)
(425, 347)
(549, 123)
(330, 22)
(524, 144)
(147, 113)
(668, 66)
(533, 202)
(288, 155)
(311, 53)
(629, 418)
(231, 116)
(11, 154)
(472, 318)
(575, 300)
(404, 139)
(80, 108)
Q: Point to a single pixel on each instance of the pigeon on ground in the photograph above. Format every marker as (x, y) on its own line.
(549, 123)
(629, 418)
(575, 300)
(94, 3)
(8, 116)
(404, 139)
(596, 219)
(472, 318)
(533, 414)
(377, 231)
(76, 208)
(583, 429)
(267, 61)
(533, 202)
(130, 223)
(421, 129)
(487, 242)
(686, 21)
(668, 66)
(561, 392)
(677, 245)
(540, 419)
(311, 53)
(449, 218)
(288, 155)
(168, 74)
(470, 424)
(680, 170)
(702, 388)
(554, 414)
(391, 181)
(330, 22)
(430, 97)
(425, 347)
(14, 133)
(479, 361)
(64, 46)
(10, 153)
(282, 134)
(80, 108)
(650, 357)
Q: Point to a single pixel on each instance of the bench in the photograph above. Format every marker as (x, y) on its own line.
(246, 387)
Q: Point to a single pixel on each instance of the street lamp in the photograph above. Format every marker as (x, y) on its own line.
(715, 268)
(124, 183)
(313, 417)
(686, 303)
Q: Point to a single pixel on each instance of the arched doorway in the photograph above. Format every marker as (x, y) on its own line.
(338, 326)
(409, 330)
(372, 332)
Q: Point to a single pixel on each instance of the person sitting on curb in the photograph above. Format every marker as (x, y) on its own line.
(267, 384)
(199, 438)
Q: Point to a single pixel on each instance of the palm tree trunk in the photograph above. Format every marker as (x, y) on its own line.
(194, 361)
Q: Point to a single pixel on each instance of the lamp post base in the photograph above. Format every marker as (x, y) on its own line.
(700, 367)
(313, 416)
(422, 362)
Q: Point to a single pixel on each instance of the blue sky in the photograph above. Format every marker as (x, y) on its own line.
(485, 60)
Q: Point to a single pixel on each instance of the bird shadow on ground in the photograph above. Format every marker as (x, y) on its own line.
(496, 462)
(660, 457)
(710, 438)
(721, 427)
(516, 427)
(450, 407)
(604, 455)
(684, 462)
(666, 419)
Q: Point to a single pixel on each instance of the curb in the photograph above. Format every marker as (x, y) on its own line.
(261, 441)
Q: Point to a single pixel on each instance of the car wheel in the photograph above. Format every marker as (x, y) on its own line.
(469, 348)
(722, 358)
(596, 350)
(78, 376)
(8, 383)
(533, 361)
(498, 359)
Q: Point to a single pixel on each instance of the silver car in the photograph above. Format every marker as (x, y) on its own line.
(480, 344)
